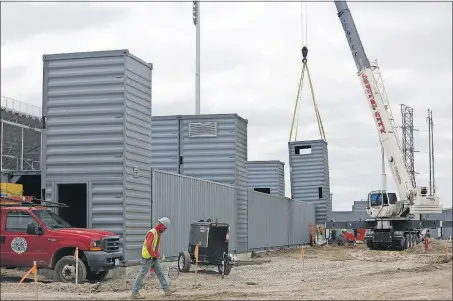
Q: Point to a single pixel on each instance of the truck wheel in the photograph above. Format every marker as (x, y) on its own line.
(410, 237)
(184, 262)
(406, 241)
(414, 240)
(97, 276)
(65, 270)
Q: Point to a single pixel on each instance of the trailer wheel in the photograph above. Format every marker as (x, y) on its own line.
(184, 262)
(224, 269)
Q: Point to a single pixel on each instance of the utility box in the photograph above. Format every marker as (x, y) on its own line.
(96, 143)
(309, 172)
(212, 147)
(266, 177)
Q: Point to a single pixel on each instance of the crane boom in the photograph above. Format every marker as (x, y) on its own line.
(413, 198)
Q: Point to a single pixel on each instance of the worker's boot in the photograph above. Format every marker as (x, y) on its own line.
(137, 296)
(169, 291)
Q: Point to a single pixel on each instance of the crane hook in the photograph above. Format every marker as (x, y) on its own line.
(304, 53)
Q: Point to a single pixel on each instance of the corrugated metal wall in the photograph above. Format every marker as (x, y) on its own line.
(301, 215)
(97, 107)
(269, 217)
(184, 200)
(278, 221)
(267, 174)
(241, 184)
(216, 150)
(165, 144)
(309, 171)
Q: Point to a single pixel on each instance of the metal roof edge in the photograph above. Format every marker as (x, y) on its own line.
(85, 54)
(264, 161)
(301, 142)
(201, 116)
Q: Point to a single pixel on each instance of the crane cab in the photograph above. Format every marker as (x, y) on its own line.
(382, 204)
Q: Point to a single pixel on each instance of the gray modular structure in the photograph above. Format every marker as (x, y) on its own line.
(309, 174)
(278, 221)
(267, 177)
(446, 215)
(97, 141)
(209, 147)
(184, 200)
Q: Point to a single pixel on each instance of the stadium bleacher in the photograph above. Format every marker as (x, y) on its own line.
(17, 118)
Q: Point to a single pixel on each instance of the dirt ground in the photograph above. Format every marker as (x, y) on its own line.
(328, 273)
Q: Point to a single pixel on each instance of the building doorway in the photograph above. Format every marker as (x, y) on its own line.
(75, 196)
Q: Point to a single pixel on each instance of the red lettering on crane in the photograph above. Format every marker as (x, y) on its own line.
(373, 104)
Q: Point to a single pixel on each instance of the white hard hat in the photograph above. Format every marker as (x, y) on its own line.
(165, 221)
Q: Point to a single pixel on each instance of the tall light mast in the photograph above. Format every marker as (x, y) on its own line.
(196, 22)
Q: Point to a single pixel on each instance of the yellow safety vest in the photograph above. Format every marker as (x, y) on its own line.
(145, 253)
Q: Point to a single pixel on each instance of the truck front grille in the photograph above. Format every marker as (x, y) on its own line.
(111, 244)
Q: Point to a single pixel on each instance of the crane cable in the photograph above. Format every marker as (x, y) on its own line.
(302, 75)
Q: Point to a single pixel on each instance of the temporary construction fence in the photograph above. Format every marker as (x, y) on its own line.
(184, 200)
(277, 221)
(272, 221)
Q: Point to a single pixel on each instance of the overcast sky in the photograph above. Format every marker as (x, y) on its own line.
(250, 65)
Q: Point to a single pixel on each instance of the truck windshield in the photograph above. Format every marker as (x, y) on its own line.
(51, 220)
(375, 199)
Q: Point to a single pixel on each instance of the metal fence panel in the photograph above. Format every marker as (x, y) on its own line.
(301, 215)
(184, 200)
(268, 220)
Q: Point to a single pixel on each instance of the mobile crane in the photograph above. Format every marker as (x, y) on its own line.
(393, 223)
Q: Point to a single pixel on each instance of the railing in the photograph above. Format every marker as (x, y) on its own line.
(16, 106)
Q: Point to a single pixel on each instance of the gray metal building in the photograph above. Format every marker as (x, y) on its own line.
(266, 177)
(309, 174)
(359, 206)
(210, 147)
(96, 143)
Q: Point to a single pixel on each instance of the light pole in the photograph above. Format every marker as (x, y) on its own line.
(196, 22)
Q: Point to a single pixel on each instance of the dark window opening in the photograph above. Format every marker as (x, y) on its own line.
(263, 190)
(320, 192)
(31, 185)
(17, 221)
(392, 198)
(303, 150)
(75, 196)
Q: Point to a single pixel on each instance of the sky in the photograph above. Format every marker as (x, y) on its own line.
(250, 65)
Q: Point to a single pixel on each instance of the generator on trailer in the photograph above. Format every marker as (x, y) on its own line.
(393, 223)
(209, 242)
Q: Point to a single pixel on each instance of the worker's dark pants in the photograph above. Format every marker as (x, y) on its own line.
(147, 264)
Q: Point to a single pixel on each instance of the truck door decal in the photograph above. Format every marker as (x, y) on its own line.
(19, 245)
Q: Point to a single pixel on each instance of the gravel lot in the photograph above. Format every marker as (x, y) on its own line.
(328, 272)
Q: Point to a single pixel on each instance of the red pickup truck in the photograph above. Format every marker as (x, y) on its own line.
(30, 232)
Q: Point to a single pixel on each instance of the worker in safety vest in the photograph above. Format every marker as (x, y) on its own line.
(150, 257)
